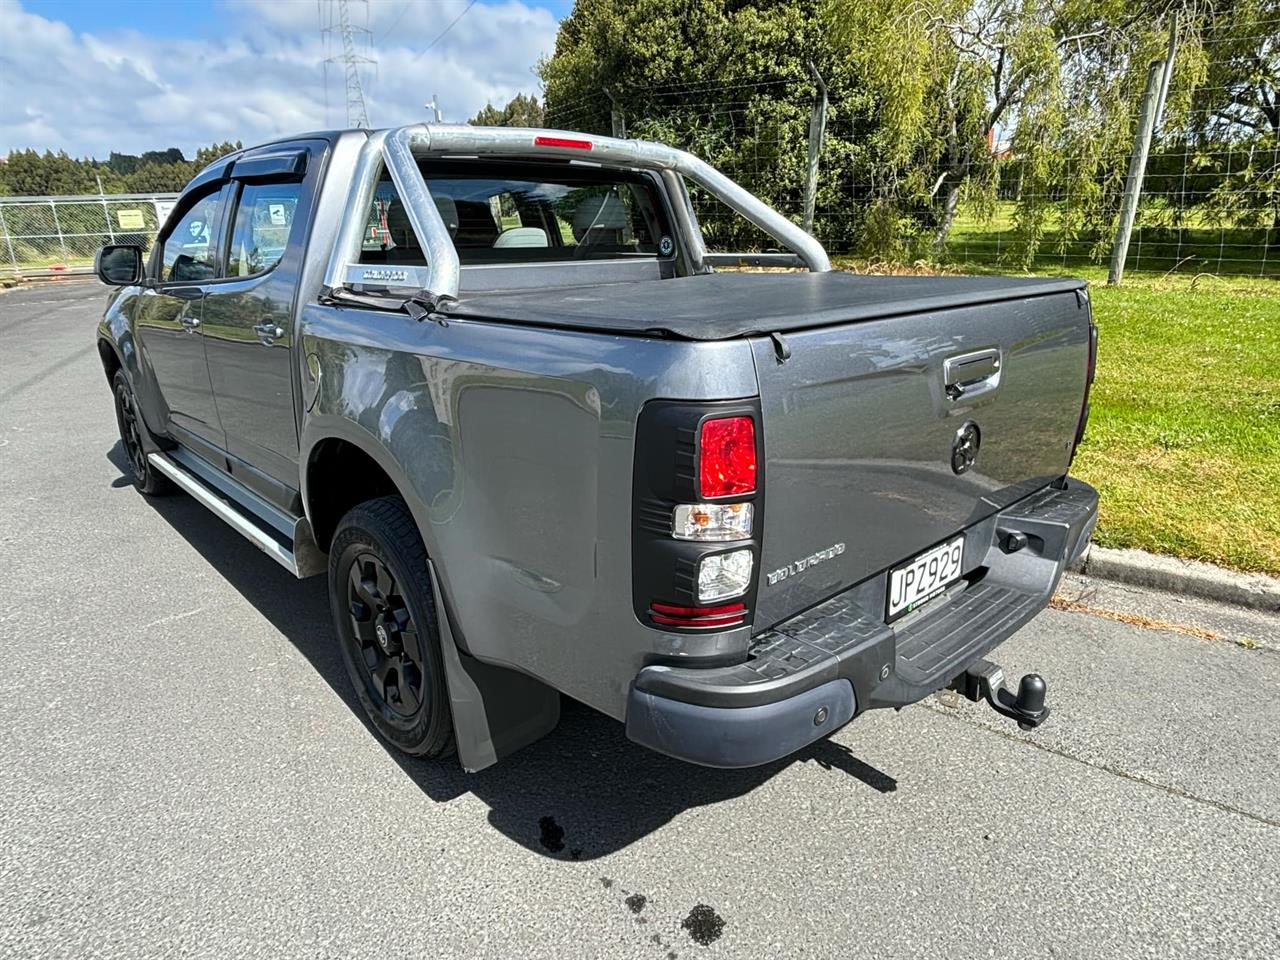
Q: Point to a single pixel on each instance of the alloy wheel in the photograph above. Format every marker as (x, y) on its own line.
(130, 431)
(388, 644)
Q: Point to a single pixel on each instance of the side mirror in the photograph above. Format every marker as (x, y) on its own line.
(118, 265)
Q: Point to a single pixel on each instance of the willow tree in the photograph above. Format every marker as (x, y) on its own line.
(1058, 78)
(1234, 123)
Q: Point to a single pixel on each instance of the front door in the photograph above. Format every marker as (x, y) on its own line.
(248, 316)
(169, 315)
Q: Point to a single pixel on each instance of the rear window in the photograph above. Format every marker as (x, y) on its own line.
(513, 214)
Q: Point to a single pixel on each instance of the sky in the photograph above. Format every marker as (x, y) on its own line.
(92, 76)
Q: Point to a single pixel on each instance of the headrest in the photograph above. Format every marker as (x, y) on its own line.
(602, 212)
(401, 229)
(522, 237)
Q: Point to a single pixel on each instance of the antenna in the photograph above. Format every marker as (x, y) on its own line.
(434, 106)
(336, 21)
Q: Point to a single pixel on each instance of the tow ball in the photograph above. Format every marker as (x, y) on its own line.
(984, 680)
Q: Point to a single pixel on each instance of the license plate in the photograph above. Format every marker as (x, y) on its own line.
(916, 583)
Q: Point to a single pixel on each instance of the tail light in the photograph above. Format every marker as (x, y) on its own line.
(696, 520)
(1091, 370)
(712, 521)
(727, 457)
(723, 575)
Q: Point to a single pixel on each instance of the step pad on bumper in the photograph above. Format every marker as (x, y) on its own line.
(982, 614)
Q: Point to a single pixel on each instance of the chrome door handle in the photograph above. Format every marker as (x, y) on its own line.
(190, 323)
(972, 373)
(268, 333)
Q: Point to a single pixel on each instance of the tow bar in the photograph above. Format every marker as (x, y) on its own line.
(984, 680)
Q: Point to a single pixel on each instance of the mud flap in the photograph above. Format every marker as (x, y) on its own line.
(496, 711)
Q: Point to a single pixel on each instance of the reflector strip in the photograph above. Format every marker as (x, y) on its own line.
(727, 615)
(562, 142)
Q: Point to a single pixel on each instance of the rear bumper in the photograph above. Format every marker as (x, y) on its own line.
(807, 676)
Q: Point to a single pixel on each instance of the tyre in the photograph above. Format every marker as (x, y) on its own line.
(385, 619)
(145, 477)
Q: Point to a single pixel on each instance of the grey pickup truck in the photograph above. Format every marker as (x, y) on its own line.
(490, 382)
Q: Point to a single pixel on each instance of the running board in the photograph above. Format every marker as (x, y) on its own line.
(296, 552)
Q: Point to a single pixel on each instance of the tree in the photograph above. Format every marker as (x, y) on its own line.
(215, 151)
(730, 81)
(1235, 118)
(520, 111)
(953, 74)
(28, 173)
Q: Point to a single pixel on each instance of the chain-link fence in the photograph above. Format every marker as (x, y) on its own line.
(43, 236)
(1209, 204)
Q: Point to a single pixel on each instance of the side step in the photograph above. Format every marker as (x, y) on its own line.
(284, 538)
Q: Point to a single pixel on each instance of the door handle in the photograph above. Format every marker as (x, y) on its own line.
(190, 323)
(971, 374)
(268, 332)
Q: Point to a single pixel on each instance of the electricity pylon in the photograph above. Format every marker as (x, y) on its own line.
(336, 21)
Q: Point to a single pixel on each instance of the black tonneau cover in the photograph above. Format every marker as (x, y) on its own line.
(721, 306)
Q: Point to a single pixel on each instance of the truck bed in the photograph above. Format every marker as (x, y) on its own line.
(722, 306)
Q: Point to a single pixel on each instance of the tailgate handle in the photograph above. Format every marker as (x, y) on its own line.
(971, 374)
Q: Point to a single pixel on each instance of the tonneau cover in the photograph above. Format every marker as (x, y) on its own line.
(721, 306)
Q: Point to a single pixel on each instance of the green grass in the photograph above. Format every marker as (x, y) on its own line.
(1184, 437)
(1199, 245)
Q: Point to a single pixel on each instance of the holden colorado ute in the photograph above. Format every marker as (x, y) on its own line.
(491, 383)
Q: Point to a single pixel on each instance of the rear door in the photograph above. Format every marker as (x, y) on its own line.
(169, 314)
(863, 421)
(248, 323)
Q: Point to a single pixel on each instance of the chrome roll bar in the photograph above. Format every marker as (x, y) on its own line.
(400, 149)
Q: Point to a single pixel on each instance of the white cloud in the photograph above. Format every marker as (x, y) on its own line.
(128, 91)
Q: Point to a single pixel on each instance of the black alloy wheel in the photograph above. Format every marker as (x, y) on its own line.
(132, 431)
(127, 413)
(384, 615)
(385, 638)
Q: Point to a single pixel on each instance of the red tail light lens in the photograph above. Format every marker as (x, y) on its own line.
(727, 615)
(727, 457)
(562, 142)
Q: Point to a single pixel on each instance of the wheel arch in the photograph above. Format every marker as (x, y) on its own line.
(341, 471)
(110, 358)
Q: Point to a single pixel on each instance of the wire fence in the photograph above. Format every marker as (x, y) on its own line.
(47, 236)
(1208, 205)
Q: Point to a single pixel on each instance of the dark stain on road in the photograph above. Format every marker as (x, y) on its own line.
(635, 902)
(704, 925)
(606, 882)
(552, 837)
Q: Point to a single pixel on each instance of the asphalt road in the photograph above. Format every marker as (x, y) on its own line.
(182, 771)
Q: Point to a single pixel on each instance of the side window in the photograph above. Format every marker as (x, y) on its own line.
(264, 217)
(189, 254)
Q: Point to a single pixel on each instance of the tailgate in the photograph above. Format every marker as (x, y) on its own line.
(861, 425)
